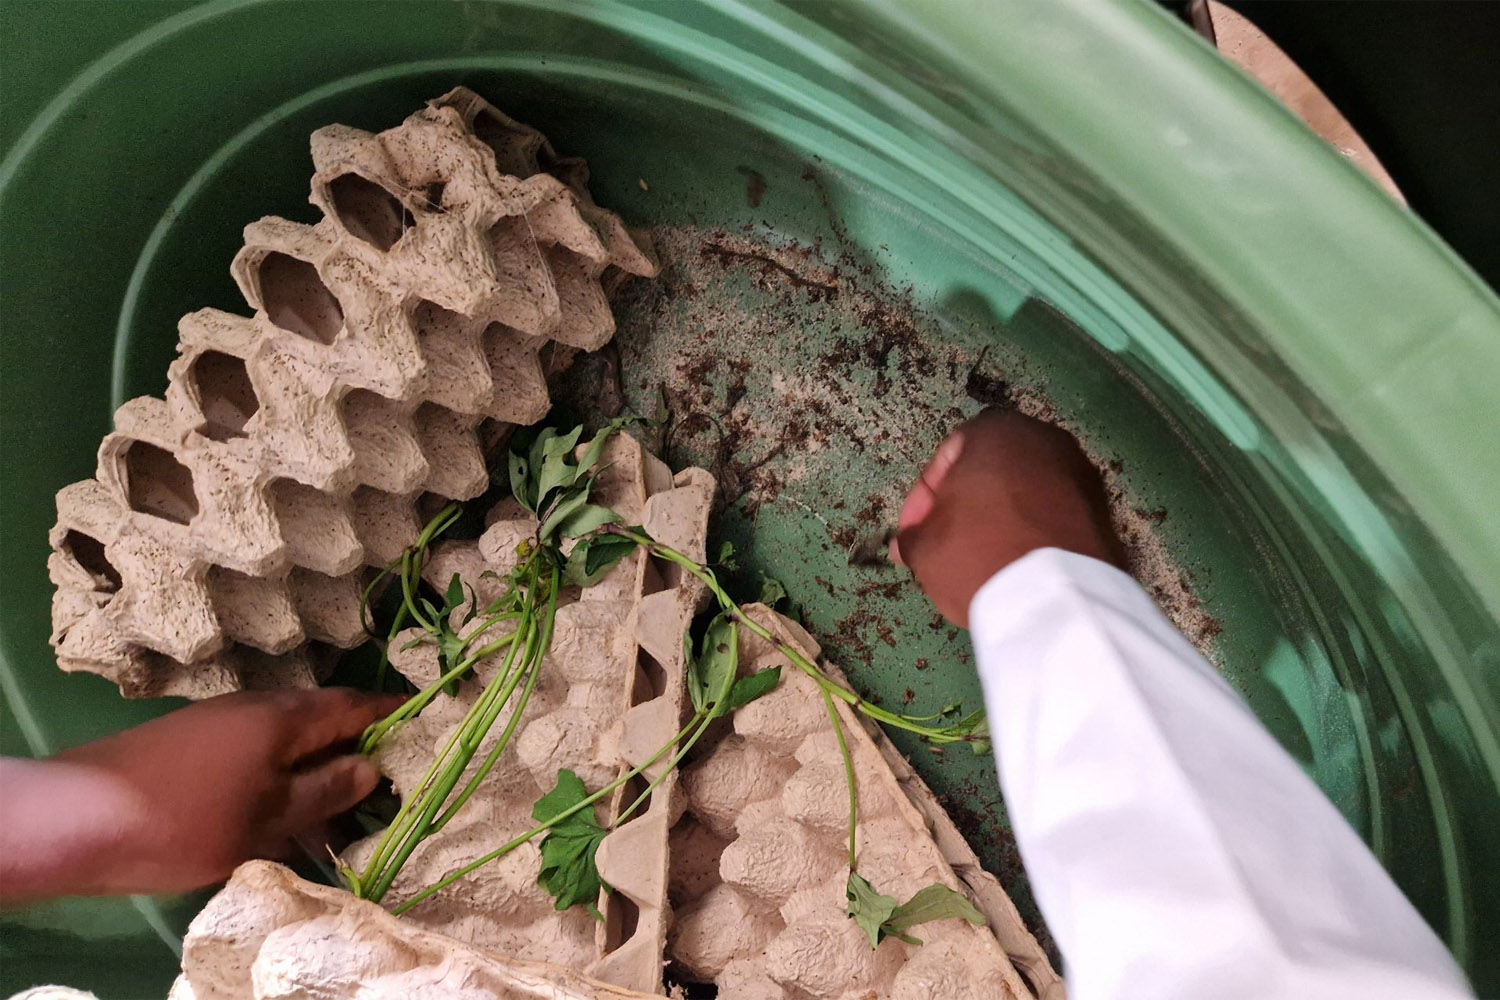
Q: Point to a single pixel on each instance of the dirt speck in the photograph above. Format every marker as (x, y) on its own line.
(755, 186)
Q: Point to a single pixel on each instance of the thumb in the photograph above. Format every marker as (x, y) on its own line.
(923, 496)
(331, 788)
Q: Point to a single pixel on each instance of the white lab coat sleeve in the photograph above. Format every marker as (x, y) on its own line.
(1175, 850)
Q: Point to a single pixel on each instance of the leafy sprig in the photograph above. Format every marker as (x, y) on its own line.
(970, 729)
(569, 872)
(881, 916)
(553, 478)
(569, 879)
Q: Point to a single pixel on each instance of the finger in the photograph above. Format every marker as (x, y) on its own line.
(918, 506)
(943, 460)
(906, 547)
(326, 717)
(922, 496)
(327, 790)
(896, 550)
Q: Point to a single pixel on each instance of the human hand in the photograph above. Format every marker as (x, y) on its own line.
(1000, 486)
(177, 803)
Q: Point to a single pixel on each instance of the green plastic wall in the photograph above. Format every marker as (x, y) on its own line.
(1294, 365)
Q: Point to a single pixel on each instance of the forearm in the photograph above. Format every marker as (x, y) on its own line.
(68, 830)
(1174, 848)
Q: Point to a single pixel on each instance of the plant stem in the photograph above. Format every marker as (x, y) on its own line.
(838, 732)
(702, 725)
(533, 668)
(409, 590)
(409, 815)
(825, 684)
(385, 650)
(432, 804)
(418, 701)
(511, 845)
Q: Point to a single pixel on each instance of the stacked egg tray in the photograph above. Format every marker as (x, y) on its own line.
(223, 541)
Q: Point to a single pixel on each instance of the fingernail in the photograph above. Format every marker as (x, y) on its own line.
(943, 459)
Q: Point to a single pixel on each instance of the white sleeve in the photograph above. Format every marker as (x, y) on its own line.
(1174, 848)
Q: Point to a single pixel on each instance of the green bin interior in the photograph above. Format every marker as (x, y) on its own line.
(1297, 366)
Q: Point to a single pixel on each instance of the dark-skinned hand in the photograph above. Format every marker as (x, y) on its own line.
(999, 487)
(177, 803)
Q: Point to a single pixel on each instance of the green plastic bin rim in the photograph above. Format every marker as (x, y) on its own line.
(1396, 337)
(1399, 340)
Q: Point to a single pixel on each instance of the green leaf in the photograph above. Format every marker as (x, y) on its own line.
(589, 517)
(935, 902)
(558, 475)
(568, 793)
(557, 469)
(718, 662)
(569, 872)
(536, 450)
(593, 558)
(726, 556)
(747, 689)
(595, 448)
(969, 723)
(979, 741)
(558, 443)
(771, 591)
(694, 679)
(454, 598)
(451, 648)
(880, 916)
(606, 551)
(973, 728)
(520, 481)
(561, 510)
(450, 653)
(869, 908)
(658, 420)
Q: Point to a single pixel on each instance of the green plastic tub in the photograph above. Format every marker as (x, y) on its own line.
(1293, 364)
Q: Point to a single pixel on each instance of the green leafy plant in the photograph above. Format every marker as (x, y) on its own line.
(554, 486)
(552, 479)
(970, 729)
(569, 870)
(882, 916)
(568, 850)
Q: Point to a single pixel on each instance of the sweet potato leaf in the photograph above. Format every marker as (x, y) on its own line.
(772, 592)
(454, 598)
(566, 504)
(712, 672)
(747, 689)
(522, 483)
(934, 902)
(594, 557)
(869, 908)
(586, 518)
(595, 448)
(880, 916)
(569, 873)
